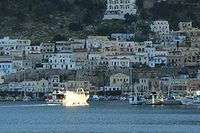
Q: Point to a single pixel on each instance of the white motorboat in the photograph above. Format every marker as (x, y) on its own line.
(78, 98)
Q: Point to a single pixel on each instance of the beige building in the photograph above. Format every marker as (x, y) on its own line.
(74, 85)
(119, 79)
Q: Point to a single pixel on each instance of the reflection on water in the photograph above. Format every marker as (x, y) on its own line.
(98, 117)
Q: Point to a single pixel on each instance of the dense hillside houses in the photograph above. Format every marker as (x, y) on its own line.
(115, 64)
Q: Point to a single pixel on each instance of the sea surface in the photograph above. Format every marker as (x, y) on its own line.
(99, 117)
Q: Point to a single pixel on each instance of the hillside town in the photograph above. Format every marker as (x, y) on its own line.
(166, 64)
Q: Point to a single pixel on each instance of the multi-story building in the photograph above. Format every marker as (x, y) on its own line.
(13, 46)
(6, 68)
(116, 62)
(62, 61)
(158, 58)
(48, 47)
(96, 42)
(185, 26)
(15, 87)
(41, 86)
(116, 89)
(116, 9)
(160, 27)
(29, 86)
(178, 86)
(118, 83)
(175, 57)
(21, 65)
(122, 36)
(142, 87)
(33, 49)
(54, 82)
(74, 85)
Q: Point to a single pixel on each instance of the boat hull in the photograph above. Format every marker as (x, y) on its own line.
(75, 99)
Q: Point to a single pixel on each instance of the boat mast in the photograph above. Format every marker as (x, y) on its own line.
(23, 56)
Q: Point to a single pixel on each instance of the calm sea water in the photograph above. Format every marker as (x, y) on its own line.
(99, 117)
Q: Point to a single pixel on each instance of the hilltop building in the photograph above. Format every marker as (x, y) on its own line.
(116, 9)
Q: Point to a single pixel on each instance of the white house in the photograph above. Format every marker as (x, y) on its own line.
(116, 9)
(29, 86)
(148, 43)
(15, 86)
(160, 27)
(6, 68)
(140, 58)
(119, 62)
(159, 58)
(151, 51)
(94, 56)
(33, 49)
(96, 42)
(20, 65)
(9, 46)
(110, 88)
(62, 61)
(122, 36)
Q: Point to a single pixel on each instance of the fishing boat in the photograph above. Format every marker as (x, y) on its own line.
(191, 100)
(154, 100)
(195, 100)
(171, 101)
(77, 98)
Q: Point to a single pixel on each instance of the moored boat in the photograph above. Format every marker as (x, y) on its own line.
(135, 100)
(155, 99)
(171, 101)
(193, 99)
(78, 98)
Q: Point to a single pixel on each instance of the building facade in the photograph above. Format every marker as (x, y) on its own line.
(116, 9)
(160, 27)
